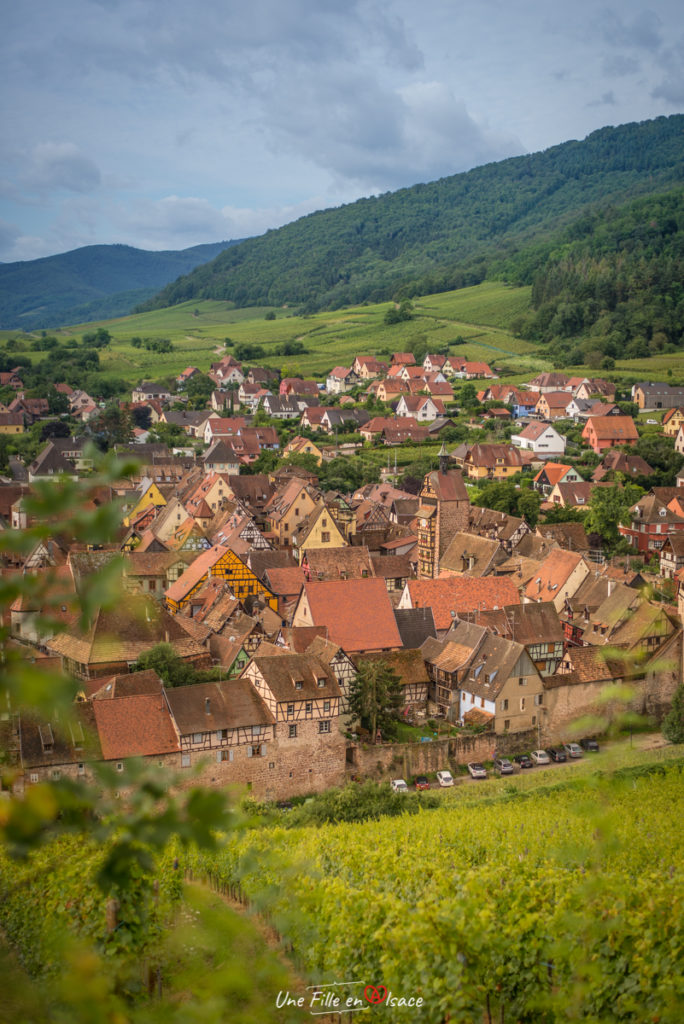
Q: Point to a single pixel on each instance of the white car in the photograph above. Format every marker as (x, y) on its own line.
(445, 778)
(398, 786)
(540, 757)
(651, 423)
(477, 770)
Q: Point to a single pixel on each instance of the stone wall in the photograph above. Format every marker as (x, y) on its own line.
(407, 759)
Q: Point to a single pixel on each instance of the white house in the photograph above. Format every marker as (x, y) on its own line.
(540, 438)
(422, 407)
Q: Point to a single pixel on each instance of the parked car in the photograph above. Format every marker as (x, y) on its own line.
(477, 770)
(573, 750)
(421, 782)
(524, 760)
(557, 753)
(445, 778)
(399, 786)
(540, 757)
(503, 766)
(651, 423)
(589, 744)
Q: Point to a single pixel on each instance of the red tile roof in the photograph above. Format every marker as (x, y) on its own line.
(461, 594)
(135, 726)
(358, 613)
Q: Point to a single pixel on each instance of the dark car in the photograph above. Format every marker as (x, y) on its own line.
(556, 754)
(422, 782)
(524, 760)
(590, 744)
(503, 766)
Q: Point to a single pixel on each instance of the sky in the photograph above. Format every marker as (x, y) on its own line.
(165, 125)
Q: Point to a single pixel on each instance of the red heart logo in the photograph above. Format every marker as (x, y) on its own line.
(375, 995)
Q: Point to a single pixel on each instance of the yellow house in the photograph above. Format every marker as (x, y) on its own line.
(288, 507)
(672, 421)
(151, 496)
(319, 530)
(11, 423)
(303, 446)
(222, 562)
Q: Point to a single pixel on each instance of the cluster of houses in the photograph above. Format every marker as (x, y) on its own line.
(283, 588)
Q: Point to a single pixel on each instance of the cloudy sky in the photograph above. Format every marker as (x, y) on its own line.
(164, 125)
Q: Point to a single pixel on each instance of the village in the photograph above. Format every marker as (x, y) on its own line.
(242, 562)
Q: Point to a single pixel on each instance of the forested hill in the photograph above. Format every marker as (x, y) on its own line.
(90, 283)
(441, 235)
(614, 280)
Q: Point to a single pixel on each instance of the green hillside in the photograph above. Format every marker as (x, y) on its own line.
(442, 235)
(90, 283)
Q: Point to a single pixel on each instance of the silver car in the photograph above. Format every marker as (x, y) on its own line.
(540, 757)
(573, 750)
(477, 770)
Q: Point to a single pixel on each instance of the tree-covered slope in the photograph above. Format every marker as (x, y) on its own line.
(614, 279)
(90, 283)
(440, 235)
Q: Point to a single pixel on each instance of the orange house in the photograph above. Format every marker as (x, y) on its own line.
(603, 432)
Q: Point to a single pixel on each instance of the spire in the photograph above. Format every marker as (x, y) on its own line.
(443, 459)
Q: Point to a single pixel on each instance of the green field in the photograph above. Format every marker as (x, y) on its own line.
(199, 329)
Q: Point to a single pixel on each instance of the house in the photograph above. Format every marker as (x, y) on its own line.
(357, 613)
(672, 421)
(540, 438)
(149, 390)
(10, 379)
(341, 379)
(303, 446)
(471, 370)
(117, 637)
(289, 506)
(552, 405)
(592, 388)
(187, 374)
(573, 495)
(651, 521)
(11, 423)
(289, 408)
(648, 396)
(558, 577)
(536, 626)
(546, 383)
(33, 409)
(679, 441)
(472, 555)
(390, 389)
(297, 386)
(603, 432)
(222, 426)
(220, 457)
(443, 511)
(311, 417)
(672, 556)
(490, 461)
(303, 697)
(367, 367)
(484, 679)
(193, 422)
(221, 562)
(379, 424)
(452, 597)
(422, 407)
(343, 420)
(617, 462)
(342, 563)
(52, 749)
(553, 473)
(318, 530)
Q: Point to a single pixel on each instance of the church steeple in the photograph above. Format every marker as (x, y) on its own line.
(443, 459)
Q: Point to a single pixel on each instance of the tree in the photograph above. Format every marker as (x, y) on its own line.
(169, 667)
(609, 507)
(375, 696)
(673, 723)
(528, 506)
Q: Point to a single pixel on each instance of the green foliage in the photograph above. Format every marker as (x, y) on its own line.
(673, 723)
(357, 802)
(517, 908)
(609, 507)
(375, 697)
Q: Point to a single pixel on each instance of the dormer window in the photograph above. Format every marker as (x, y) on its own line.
(322, 681)
(46, 738)
(662, 512)
(298, 684)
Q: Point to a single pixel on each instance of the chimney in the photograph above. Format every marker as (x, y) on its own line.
(207, 706)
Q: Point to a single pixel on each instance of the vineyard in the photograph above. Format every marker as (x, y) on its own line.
(564, 906)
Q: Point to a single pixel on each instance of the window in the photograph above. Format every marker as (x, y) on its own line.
(224, 755)
(503, 705)
(292, 733)
(325, 537)
(119, 766)
(539, 699)
(298, 684)
(507, 725)
(33, 776)
(324, 726)
(197, 737)
(185, 760)
(308, 707)
(522, 703)
(322, 682)
(522, 681)
(81, 768)
(290, 710)
(326, 706)
(257, 751)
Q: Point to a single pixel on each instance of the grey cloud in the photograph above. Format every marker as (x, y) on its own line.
(643, 31)
(608, 99)
(618, 65)
(9, 233)
(60, 165)
(671, 88)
